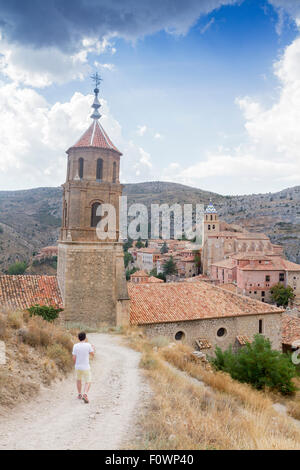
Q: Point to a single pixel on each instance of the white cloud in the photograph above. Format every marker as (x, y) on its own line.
(141, 130)
(158, 136)
(42, 67)
(35, 136)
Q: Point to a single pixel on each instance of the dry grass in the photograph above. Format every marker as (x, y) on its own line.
(187, 415)
(61, 356)
(182, 358)
(37, 352)
(15, 320)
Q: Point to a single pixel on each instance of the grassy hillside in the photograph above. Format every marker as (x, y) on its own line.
(30, 219)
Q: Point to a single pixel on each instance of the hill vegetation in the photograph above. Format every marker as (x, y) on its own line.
(30, 219)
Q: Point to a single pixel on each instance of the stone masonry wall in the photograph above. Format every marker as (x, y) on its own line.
(207, 328)
(87, 279)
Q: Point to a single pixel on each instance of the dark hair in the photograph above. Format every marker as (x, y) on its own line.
(82, 336)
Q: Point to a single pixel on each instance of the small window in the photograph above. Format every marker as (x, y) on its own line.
(179, 335)
(281, 277)
(260, 326)
(99, 174)
(213, 227)
(80, 167)
(94, 217)
(255, 292)
(267, 278)
(209, 227)
(262, 293)
(114, 172)
(221, 332)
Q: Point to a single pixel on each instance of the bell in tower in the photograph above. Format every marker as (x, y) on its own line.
(91, 271)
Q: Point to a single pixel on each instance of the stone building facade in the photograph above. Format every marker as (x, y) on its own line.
(218, 245)
(90, 270)
(202, 315)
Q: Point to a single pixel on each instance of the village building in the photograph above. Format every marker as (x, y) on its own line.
(47, 252)
(142, 277)
(202, 315)
(254, 274)
(218, 245)
(146, 258)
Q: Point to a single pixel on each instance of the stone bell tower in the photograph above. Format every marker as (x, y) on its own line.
(90, 270)
(211, 226)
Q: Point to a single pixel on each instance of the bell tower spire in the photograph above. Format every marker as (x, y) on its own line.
(96, 104)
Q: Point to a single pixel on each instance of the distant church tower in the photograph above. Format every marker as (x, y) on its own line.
(90, 271)
(211, 226)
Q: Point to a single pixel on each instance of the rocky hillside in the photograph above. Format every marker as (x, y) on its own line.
(30, 219)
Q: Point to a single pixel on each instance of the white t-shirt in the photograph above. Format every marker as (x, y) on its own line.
(82, 352)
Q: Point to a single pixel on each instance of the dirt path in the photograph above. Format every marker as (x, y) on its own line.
(58, 420)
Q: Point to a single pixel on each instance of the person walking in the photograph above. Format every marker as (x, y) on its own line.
(81, 357)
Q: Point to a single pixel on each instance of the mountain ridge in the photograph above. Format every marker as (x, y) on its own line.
(30, 218)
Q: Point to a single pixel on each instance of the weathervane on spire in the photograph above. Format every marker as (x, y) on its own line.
(96, 105)
(97, 79)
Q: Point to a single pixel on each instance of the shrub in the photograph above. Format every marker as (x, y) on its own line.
(17, 268)
(47, 312)
(60, 356)
(258, 365)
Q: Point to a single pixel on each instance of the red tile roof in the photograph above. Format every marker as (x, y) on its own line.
(181, 301)
(24, 291)
(96, 136)
(276, 264)
(155, 280)
(140, 273)
(290, 329)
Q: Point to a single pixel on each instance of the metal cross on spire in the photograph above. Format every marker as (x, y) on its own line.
(97, 79)
(96, 105)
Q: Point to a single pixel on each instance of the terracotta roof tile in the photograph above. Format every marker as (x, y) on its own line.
(24, 291)
(243, 339)
(203, 343)
(290, 329)
(140, 273)
(96, 136)
(181, 301)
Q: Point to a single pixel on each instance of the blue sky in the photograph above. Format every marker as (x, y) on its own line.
(205, 93)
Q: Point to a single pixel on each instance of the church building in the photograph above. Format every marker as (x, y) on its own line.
(90, 270)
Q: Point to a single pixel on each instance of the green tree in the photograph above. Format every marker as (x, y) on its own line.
(197, 260)
(17, 268)
(170, 267)
(259, 365)
(139, 243)
(164, 249)
(282, 295)
(153, 273)
(127, 258)
(127, 244)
